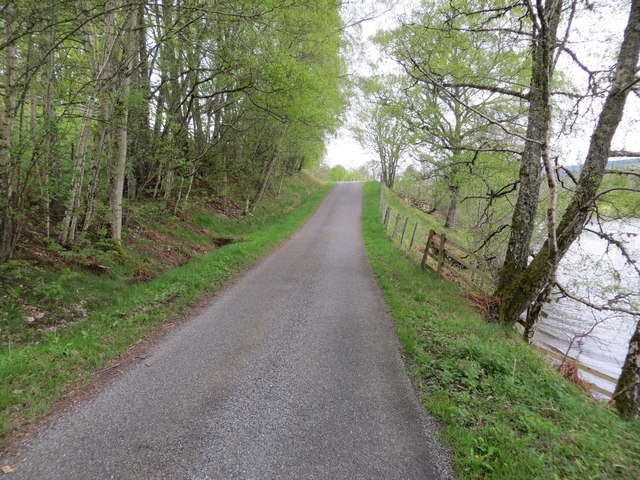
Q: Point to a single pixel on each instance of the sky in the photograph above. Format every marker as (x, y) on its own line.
(344, 150)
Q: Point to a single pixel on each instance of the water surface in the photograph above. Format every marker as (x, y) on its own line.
(596, 271)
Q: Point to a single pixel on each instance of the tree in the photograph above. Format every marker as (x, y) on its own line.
(338, 174)
(627, 394)
(105, 101)
(532, 279)
(7, 113)
(457, 25)
(452, 120)
(534, 29)
(382, 128)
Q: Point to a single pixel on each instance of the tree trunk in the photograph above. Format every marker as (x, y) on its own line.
(525, 286)
(7, 220)
(263, 186)
(140, 154)
(627, 394)
(538, 127)
(453, 206)
(51, 161)
(101, 71)
(96, 157)
(68, 226)
(122, 115)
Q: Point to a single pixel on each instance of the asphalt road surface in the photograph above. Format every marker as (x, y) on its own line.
(293, 372)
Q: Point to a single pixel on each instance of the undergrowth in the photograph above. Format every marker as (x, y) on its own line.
(62, 322)
(506, 413)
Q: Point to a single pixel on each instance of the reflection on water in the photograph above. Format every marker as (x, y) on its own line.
(597, 272)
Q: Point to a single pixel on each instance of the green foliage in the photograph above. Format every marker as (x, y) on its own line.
(224, 100)
(338, 174)
(506, 413)
(456, 67)
(383, 125)
(623, 196)
(341, 174)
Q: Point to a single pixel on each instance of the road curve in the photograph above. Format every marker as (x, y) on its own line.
(293, 372)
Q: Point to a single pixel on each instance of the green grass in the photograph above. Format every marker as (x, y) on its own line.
(56, 286)
(506, 413)
(268, 211)
(425, 222)
(44, 365)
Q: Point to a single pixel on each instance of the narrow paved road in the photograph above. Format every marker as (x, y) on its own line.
(291, 373)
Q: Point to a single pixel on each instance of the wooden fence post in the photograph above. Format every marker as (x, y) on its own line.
(425, 255)
(443, 240)
(395, 226)
(413, 236)
(387, 216)
(404, 229)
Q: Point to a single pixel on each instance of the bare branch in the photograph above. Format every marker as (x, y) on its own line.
(600, 308)
(623, 153)
(454, 97)
(609, 238)
(604, 192)
(569, 174)
(622, 172)
(488, 88)
(483, 150)
(488, 239)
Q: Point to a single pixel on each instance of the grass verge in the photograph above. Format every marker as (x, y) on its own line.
(422, 221)
(34, 374)
(506, 413)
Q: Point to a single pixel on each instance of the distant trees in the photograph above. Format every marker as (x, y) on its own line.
(104, 101)
(382, 127)
(338, 174)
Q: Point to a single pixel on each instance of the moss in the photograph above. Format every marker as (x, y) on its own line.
(515, 296)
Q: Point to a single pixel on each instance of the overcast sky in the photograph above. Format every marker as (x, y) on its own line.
(343, 149)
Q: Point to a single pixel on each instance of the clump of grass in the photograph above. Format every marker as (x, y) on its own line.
(47, 362)
(506, 413)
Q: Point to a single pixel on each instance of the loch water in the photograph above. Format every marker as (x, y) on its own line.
(596, 271)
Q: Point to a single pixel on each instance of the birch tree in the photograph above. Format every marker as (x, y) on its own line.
(106, 100)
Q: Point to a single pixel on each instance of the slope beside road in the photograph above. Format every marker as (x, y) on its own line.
(293, 372)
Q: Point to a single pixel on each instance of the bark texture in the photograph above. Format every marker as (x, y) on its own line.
(538, 127)
(7, 221)
(453, 206)
(627, 394)
(525, 286)
(122, 115)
